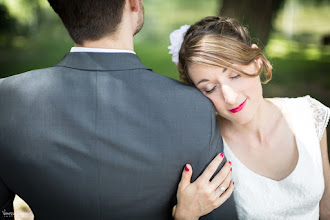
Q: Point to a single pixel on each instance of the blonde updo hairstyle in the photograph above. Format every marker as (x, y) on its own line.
(220, 42)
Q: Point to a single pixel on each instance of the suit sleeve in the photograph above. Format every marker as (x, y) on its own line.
(6, 202)
(228, 209)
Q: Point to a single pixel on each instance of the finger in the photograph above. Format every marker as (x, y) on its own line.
(221, 176)
(186, 177)
(225, 195)
(211, 168)
(224, 185)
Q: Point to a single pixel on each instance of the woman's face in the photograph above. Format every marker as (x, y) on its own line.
(235, 96)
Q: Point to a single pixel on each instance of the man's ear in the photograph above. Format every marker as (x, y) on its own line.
(134, 5)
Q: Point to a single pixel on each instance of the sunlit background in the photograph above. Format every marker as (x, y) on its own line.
(296, 40)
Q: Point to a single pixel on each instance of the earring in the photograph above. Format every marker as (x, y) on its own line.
(257, 63)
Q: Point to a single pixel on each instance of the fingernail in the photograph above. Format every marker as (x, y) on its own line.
(233, 183)
(229, 162)
(186, 168)
(222, 155)
(231, 169)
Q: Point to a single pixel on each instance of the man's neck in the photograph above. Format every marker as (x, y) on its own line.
(117, 42)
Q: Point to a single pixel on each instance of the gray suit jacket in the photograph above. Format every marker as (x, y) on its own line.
(101, 136)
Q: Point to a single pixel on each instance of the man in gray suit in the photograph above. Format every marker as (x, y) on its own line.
(99, 135)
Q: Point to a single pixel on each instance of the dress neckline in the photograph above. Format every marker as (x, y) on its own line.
(261, 176)
(283, 107)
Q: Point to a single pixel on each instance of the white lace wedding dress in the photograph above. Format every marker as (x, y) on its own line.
(297, 196)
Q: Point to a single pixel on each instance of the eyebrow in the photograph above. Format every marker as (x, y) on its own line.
(206, 80)
(203, 80)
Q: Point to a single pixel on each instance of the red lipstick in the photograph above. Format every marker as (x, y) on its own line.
(239, 108)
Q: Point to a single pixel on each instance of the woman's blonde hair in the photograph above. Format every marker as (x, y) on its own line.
(221, 42)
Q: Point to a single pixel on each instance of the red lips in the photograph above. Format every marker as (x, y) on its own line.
(239, 108)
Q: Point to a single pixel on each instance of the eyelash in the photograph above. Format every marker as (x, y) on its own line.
(209, 91)
(235, 77)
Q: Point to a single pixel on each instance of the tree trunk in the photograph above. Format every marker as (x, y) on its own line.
(257, 15)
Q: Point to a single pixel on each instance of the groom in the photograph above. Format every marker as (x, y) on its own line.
(99, 135)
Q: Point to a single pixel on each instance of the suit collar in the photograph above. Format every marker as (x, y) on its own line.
(99, 50)
(102, 61)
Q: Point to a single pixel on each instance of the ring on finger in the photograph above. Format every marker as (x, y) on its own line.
(222, 188)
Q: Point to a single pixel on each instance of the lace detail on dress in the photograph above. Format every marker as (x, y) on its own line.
(321, 115)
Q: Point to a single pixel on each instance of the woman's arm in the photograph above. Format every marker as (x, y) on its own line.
(203, 196)
(325, 201)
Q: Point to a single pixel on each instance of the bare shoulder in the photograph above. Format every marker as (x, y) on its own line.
(284, 101)
(277, 102)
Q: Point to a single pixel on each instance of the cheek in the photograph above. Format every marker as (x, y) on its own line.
(218, 103)
(254, 87)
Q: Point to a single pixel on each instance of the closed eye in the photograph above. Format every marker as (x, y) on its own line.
(235, 77)
(210, 91)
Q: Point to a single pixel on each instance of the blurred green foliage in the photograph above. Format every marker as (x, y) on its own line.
(32, 36)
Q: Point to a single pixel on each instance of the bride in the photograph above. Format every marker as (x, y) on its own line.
(277, 146)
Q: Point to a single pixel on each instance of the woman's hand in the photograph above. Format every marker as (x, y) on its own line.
(203, 196)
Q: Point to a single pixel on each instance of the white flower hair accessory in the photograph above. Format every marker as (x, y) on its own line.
(176, 38)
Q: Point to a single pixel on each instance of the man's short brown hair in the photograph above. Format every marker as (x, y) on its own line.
(89, 19)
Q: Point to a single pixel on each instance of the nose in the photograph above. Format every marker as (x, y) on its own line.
(229, 94)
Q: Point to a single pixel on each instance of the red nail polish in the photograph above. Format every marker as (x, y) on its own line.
(222, 155)
(233, 183)
(186, 168)
(231, 169)
(229, 162)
